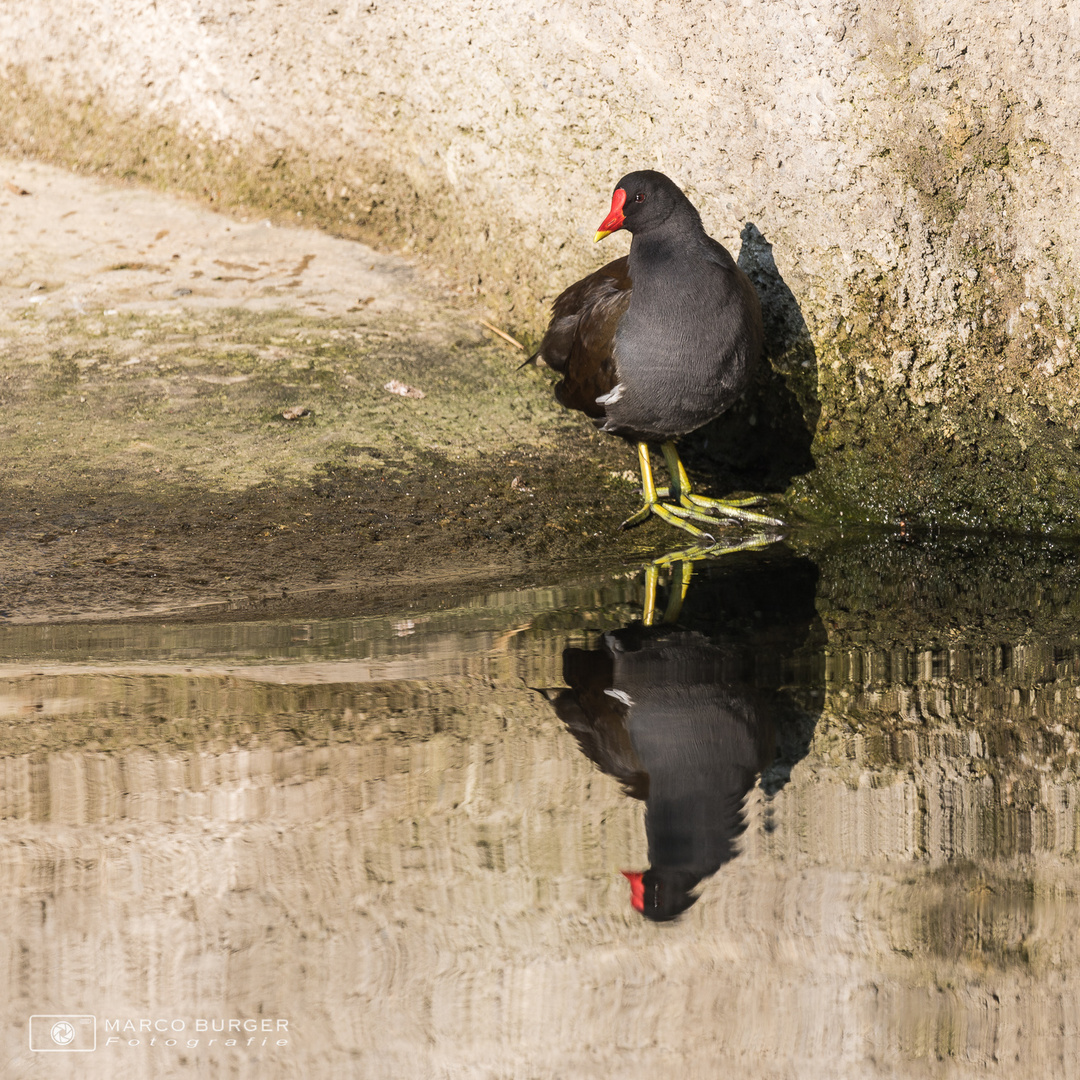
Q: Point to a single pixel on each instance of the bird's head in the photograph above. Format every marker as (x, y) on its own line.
(641, 201)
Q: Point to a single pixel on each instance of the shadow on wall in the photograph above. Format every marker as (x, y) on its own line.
(764, 440)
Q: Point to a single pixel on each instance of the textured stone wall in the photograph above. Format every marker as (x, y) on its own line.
(912, 167)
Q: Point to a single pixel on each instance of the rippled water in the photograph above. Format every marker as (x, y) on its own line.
(824, 823)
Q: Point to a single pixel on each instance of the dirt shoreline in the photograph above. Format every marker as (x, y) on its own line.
(199, 414)
(348, 540)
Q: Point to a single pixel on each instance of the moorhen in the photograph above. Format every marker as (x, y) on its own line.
(658, 343)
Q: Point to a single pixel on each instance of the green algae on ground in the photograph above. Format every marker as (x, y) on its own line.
(149, 464)
(203, 397)
(954, 433)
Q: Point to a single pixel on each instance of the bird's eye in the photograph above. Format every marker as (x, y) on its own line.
(639, 197)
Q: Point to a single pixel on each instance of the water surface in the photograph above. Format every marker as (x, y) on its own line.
(842, 781)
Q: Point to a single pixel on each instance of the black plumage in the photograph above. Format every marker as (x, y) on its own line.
(676, 324)
(656, 344)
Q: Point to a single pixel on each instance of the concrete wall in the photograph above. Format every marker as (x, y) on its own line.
(912, 167)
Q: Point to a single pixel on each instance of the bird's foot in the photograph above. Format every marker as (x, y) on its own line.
(701, 500)
(689, 509)
(673, 514)
(681, 491)
(732, 508)
(683, 506)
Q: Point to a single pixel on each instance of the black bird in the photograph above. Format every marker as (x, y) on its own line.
(656, 344)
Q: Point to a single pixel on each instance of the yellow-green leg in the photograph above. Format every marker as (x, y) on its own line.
(689, 507)
(681, 490)
(676, 515)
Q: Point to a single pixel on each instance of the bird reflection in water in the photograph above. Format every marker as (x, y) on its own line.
(687, 713)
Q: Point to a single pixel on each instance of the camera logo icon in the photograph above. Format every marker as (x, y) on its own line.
(62, 1032)
(73, 1033)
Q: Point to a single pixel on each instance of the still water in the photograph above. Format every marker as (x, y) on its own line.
(822, 822)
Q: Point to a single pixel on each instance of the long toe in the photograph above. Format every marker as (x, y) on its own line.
(705, 501)
(735, 508)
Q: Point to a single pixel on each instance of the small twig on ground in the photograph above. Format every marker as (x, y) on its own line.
(502, 333)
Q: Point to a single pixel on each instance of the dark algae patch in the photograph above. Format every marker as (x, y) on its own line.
(978, 431)
(438, 528)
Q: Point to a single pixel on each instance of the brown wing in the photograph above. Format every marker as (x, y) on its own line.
(581, 336)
